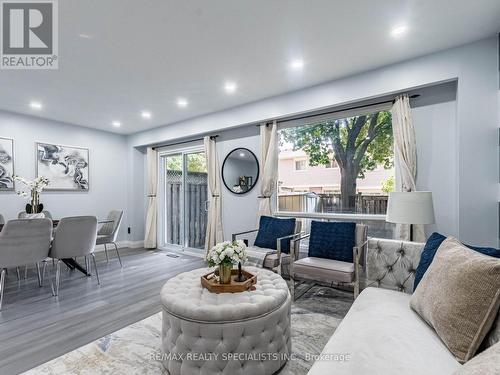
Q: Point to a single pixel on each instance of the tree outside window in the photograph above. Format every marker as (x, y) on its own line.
(358, 144)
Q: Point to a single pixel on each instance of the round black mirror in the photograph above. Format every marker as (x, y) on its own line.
(240, 170)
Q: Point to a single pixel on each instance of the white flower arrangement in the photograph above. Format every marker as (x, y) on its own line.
(35, 186)
(227, 253)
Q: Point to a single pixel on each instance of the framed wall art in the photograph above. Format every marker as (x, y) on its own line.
(66, 167)
(6, 164)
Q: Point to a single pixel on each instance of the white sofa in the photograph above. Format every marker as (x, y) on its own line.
(381, 334)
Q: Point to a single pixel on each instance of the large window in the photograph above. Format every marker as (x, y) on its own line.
(346, 165)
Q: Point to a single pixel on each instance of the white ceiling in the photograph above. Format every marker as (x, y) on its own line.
(143, 55)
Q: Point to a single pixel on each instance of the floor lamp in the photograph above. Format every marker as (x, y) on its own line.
(410, 208)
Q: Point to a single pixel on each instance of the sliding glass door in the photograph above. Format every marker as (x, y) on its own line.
(174, 184)
(185, 199)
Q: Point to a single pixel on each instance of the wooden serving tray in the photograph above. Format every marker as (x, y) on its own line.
(208, 281)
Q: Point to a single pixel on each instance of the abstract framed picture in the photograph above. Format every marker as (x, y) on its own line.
(66, 167)
(6, 164)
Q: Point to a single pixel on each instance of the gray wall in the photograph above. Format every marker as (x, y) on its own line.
(136, 192)
(475, 68)
(108, 167)
(239, 212)
(458, 144)
(437, 167)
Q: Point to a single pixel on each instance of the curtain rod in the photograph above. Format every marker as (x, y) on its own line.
(183, 142)
(338, 110)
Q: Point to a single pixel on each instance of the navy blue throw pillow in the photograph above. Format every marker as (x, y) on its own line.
(430, 249)
(272, 228)
(332, 240)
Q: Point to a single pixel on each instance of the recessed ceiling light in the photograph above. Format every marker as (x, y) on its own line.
(297, 64)
(399, 31)
(146, 114)
(230, 87)
(242, 154)
(36, 105)
(182, 102)
(85, 36)
(116, 124)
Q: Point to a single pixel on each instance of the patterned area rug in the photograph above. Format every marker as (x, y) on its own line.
(133, 349)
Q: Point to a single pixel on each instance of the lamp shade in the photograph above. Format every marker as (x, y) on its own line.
(414, 207)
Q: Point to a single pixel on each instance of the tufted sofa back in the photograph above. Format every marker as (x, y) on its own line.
(391, 264)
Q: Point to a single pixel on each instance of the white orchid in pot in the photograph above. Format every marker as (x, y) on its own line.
(225, 255)
(32, 193)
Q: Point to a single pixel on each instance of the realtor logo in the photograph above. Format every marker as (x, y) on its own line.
(29, 37)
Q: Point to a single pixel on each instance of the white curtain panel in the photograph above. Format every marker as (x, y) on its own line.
(214, 233)
(405, 156)
(268, 167)
(151, 215)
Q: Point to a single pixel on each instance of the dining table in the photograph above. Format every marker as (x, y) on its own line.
(70, 262)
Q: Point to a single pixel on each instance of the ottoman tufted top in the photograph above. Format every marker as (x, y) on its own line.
(184, 297)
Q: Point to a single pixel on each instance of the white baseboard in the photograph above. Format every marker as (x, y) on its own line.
(121, 245)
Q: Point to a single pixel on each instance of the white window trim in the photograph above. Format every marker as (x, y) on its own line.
(323, 216)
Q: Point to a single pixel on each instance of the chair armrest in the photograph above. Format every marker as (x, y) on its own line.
(296, 240)
(278, 243)
(356, 251)
(234, 235)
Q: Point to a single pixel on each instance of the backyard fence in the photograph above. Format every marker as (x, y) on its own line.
(193, 213)
(331, 203)
(313, 203)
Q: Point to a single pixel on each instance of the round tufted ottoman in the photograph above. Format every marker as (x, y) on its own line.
(244, 333)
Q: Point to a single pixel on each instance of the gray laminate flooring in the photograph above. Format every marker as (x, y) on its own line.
(36, 327)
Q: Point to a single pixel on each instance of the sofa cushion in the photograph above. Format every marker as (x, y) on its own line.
(430, 249)
(382, 335)
(485, 363)
(459, 297)
(326, 270)
(272, 228)
(332, 240)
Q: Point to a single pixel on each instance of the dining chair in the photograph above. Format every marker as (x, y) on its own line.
(24, 242)
(73, 237)
(2, 220)
(108, 233)
(25, 215)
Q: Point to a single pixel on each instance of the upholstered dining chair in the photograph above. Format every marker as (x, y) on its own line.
(271, 247)
(24, 242)
(108, 233)
(336, 252)
(73, 237)
(25, 215)
(47, 214)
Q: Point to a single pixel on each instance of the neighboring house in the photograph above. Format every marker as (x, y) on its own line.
(296, 175)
